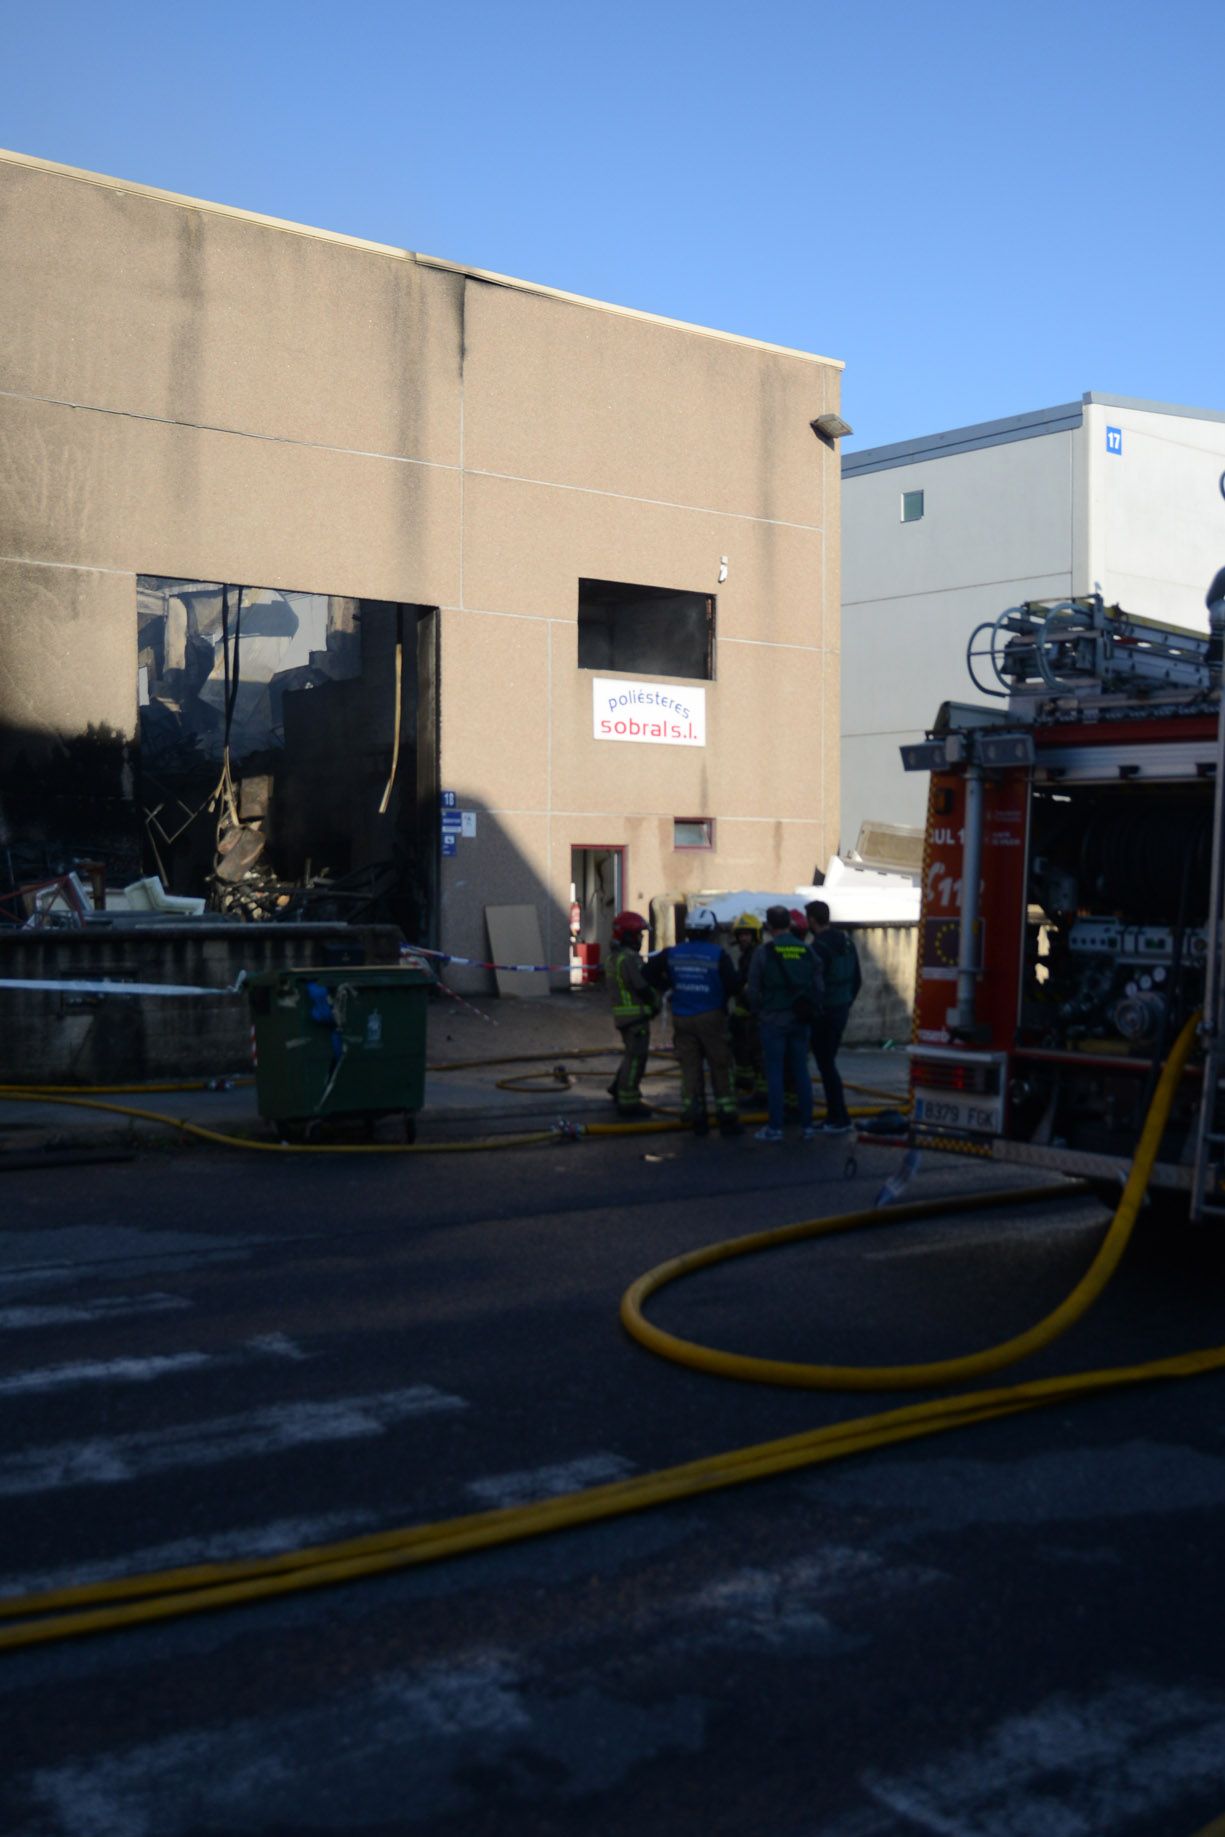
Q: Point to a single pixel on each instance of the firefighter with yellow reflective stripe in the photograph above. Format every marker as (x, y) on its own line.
(701, 981)
(743, 1029)
(634, 1003)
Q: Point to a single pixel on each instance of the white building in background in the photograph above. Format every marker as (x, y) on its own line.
(943, 532)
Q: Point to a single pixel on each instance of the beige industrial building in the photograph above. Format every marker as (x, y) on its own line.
(489, 593)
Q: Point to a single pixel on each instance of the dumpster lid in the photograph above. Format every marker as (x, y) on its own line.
(408, 974)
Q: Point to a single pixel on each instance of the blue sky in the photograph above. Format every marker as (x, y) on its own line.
(980, 208)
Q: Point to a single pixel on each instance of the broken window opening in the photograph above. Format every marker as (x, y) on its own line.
(187, 631)
(647, 631)
(285, 758)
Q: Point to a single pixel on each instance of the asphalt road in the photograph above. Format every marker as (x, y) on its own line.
(1008, 1631)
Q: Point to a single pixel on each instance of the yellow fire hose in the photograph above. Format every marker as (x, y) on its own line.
(95, 1097)
(938, 1371)
(82, 1097)
(138, 1600)
(230, 1080)
(17, 1093)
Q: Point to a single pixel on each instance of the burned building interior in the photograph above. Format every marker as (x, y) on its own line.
(284, 761)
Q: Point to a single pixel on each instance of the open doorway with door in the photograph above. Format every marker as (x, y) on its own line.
(287, 760)
(597, 894)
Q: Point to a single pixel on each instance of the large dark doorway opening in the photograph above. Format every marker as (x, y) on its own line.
(288, 746)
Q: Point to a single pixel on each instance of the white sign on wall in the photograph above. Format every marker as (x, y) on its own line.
(661, 714)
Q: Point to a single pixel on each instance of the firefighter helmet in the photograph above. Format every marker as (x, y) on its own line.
(701, 918)
(799, 920)
(748, 921)
(626, 922)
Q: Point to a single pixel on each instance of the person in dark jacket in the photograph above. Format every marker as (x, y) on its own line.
(701, 980)
(843, 979)
(750, 1069)
(784, 991)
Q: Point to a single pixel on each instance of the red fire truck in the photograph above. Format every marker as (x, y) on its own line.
(1072, 898)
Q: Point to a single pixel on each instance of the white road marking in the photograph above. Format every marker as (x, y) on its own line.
(102, 1371)
(320, 1768)
(1071, 1767)
(411, 1750)
(60, 1253)
(549, 1482)
(774, 1607)
(276, 1346)
(116, 1307)
(107, 1460)
(221, 1547)
(479, 1693)
(142, 1371)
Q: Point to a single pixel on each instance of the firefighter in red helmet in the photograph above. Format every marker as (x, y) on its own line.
(634, 1003)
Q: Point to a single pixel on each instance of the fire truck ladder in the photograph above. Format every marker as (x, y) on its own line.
(1057, 648)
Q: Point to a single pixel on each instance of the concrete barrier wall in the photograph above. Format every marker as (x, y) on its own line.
(886, 1001)
(887, 956)
(69, 1037)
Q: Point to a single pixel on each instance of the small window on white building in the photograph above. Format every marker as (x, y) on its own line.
(693, 832)
(912, 506)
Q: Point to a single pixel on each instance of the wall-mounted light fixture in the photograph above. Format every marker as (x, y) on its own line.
(831, 427)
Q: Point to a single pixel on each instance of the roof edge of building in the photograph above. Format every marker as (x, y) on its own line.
(83, 175)
(1011, 427)
(1099, 399)
(964, 439)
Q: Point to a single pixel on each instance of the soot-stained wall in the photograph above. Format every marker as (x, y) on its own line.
(195, 393)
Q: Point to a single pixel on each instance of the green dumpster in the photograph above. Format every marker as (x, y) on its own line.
(339, 1041)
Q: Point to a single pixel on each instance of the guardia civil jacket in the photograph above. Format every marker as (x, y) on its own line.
(783, 971)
